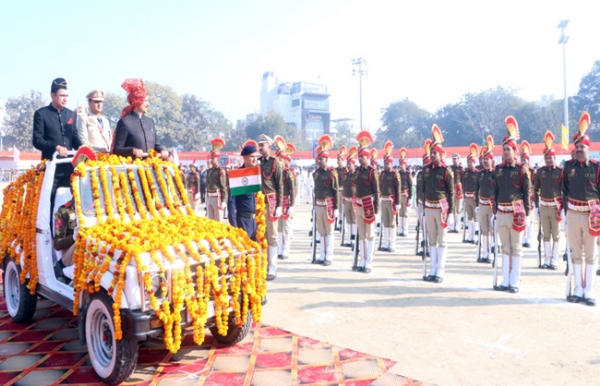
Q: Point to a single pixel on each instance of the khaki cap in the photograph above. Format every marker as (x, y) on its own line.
(265, 138)
(96, 95)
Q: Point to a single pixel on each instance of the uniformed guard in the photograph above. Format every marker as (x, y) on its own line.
(548, 197)
(581, 195)
(349, 195)
(484, 198)
(457, 171)
(341, 171)
(243, 206)
(525, 160)
(326, 200)
(272, 187)
(65, 234)
(405, 194)
(419, 189)
(511, 197)
(469, 184)
(192, 182)
(367, 202)
(438, 190)
(389, 188)
(216, 183)
(290, 190)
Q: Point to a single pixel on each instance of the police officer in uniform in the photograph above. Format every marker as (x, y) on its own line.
(192, 182)
(284, 224)
(94, 129)
(548, 197)
(511, 198)
(389, 187)
(469, 182)
(419, 187)
(457, 171)
(326, 200)
(484, 198)
(272, 187)
(65, 234)
(405, 194)
(349, 195)
(367, 202)
(525, 160)
(581, 195)
(341, 171)
(438, 190)
(243, 207)
(216, 183)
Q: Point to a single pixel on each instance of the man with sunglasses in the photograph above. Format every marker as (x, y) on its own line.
(94, 129)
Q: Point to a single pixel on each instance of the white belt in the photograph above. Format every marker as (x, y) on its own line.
(576, 208)
(469, 195)
(349, 199)
(340, 189)
(321, 202)
(548, 204)
(485, 201)
(505, 208)
(419, 201)
(404, 193)
(433, 205)
(213, 194)
(386, 199)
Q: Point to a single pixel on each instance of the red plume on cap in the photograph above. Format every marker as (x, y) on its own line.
(374, 154)
(525, 149)
(287, 153)
(487, 151)
(513, 132)
(325, 143)
(548, 140)
(217, 145)
(342, 153)
(318, 151)
(438, 138)
(352, 153)
(364, 138)
(387, 149)
(84, 154)
(280, 143)
(584, 122)
(473, 151)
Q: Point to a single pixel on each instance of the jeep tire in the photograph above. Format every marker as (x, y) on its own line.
(19, 302)
(113, 360)
(235, 334)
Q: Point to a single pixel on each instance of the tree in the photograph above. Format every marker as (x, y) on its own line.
(405, 123)
(18, 123)
(270, 124)
(113, 106)
(165, 109)
(535, 120)
(344, 136)
(588, 96)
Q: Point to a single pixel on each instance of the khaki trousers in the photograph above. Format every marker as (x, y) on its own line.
(580, 240)
(272, 234)
(419, 211)
(323, 226)
(511, 240)
(67, 256)
(387, 214)
(403, 212)
(349, 212)
(436, 234)
(283, 225)
(550, 226)
(470, 209)
(456, 206)
(214, 213)
(191, 201)
(365, 231)
(485, 220)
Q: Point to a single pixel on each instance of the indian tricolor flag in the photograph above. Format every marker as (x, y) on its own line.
(244, 181)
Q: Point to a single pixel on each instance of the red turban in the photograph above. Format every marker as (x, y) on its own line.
(136, 94)
(579, 137)
(510, 141)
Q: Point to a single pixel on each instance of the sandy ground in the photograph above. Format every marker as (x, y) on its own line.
(459, 332)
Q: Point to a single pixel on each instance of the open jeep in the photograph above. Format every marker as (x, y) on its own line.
(145, 266)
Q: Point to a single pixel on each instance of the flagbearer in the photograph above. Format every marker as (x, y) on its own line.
(455, 213)
(469, 183)
(420, 195)
(341, 171)
(284, 224)
(511, 197)
(405, 194)
(438, 190)
(389, 186)
(349, 194)
(326, 199)
(581, 194)
(244, 184)
(367, 202)
(548, 197)
(484, 197)
(216, 182)
(272, 187)
(525, 152)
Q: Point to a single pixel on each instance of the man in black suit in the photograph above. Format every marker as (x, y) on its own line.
(135, 133)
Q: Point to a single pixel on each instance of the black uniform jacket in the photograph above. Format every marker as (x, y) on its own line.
(51, 128)
(133, 132)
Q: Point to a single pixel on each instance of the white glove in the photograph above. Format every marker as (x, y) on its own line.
(336, 213)
(197, 196)
(477, 210)
(75, 233)
(278, 211)
(290, 210)
(397, 208)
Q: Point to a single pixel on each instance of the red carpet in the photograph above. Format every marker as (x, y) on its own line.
(47, 351)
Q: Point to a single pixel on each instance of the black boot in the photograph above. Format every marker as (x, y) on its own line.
(58, 272)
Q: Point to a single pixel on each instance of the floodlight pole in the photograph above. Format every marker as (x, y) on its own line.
(360, 71)
(563, 40)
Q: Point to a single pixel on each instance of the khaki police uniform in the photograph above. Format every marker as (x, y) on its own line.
(65, 222)
(548, 197)
(405, 197)
(484, 197)
(349, 194)
(469, 184)
(326, 203)
(454, 216)
(438, 192)
(284, 223)
(272, 187)
(511, 186)
(192, 185)
(341, 174)
(389, 188)
(367, 207)
(216, 191)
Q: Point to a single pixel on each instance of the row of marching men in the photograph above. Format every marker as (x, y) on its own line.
(500, 198)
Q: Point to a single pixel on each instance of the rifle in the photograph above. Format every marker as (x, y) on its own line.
(314, 233)
(424, 246)
(569, 270)
(380, 234)
(343, 230)
(479, 247)
(495, 252)
(418, 234)
(464, 220)
(356, 251)
(540, 237)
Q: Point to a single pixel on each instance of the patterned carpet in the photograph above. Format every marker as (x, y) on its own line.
(47, 351)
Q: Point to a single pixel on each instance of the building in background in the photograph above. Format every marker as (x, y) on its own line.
(303, 104)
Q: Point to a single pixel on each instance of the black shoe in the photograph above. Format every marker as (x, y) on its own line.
(360, 269)
(366, 270)
(544, 266)
(429, 278)
(526, 245)
(598, 272)
(420, 253)
(355, 268)
(382, 249)
(574, 299)
(513, 290)
(500, 288)
(590, 302)
(310, 233)
(437, 279)
(552, 267)
(326, 263)
(58, 272)
(346, 245)
(479, 259)
(390, 250)
(402, 234)
(280, 257)
(487, 260)
(476, 233)
(352, 237)
(284, 257)
(271, 277)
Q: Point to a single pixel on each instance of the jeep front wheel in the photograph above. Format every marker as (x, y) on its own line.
(113, 360)
(19, 302)
(235, 334)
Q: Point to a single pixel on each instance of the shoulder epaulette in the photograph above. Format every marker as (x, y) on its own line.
(68, 204)
(593, 161)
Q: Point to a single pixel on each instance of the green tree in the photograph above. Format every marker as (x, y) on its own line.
(165, 109)
(405, 123)
(113, 106)
(535, 120)
(270, 124)
(344, 136)
(18, 123)
(588, 96)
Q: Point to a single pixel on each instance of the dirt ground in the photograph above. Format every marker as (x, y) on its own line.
(459, 332)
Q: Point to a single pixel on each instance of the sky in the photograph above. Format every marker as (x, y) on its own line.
(431, 52)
